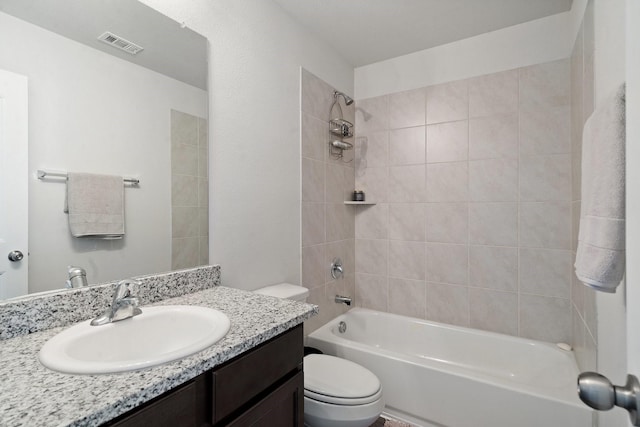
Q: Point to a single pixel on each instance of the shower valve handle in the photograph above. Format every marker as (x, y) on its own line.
(599, 393)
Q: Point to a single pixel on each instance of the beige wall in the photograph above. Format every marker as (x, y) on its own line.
(582, 104)
(189, 191)
(473, 221)
(327, 223)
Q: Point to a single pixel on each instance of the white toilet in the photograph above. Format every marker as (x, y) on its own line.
(337, 392)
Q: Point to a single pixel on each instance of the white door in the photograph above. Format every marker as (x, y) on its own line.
(633, 186)
(13, 184)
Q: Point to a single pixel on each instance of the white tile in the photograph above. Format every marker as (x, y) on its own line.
(545, 318)
(493, 94)
(372, 256)
(407, 297)
(494, 311)
(184, 159)
(545, 225)
(447, 102)
(407, 221)
(493, 224)
(372, 114)
(447, 263)
(407, 109)
(407, 184)
(375, 183)
(313, 265)
(493, 267)
(184, 128)
(315, 137)
(317, 95)
(447, 222)
(407, 146)
(545, 178)
(545, 272)
(185, 221)
(493, 180)
(313, 228)
(448, 304)
(372, 221)
(493, 137)
(372, 150)
(448, 142)
(545, 130)
(372, 292)
(447, 182)
(546, 84)
(340, 222)
(312, 180)
(406, 260)
(339, 183)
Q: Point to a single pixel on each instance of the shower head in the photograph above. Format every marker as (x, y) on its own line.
(347, 99)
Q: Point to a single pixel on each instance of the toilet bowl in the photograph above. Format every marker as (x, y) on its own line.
(337, 392)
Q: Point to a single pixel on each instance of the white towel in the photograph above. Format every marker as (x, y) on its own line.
(95, 204)
(600, 259)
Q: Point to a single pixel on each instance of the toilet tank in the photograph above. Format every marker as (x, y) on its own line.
(285, 291)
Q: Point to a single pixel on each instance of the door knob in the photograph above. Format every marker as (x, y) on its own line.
(15, 256)
(597, 391)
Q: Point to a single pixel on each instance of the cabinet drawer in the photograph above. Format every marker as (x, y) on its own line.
(184, 407)
(284, 407)
(239, 381)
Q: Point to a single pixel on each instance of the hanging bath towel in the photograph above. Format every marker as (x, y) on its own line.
(95, 204)
(600, 258)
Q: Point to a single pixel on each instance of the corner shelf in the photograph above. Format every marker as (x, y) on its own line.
(366, 202)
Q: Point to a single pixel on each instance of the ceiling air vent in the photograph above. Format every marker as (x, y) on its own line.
(120, 43)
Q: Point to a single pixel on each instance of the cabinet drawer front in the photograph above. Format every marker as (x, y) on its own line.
(239, 381)
(183, 407)
(283, 408)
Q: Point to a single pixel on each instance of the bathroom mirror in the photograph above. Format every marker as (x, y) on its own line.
(95, 107)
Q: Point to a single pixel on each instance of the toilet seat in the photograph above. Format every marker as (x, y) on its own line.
(339, 381)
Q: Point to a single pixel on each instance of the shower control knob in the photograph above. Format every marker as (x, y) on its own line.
(15, 256)
(599, 393)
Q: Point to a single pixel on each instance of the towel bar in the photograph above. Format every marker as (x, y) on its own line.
(43, 174)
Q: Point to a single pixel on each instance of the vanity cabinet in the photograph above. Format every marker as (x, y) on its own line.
(261, 387)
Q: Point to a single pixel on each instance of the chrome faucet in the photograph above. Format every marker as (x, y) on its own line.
(77, 277)
(344, 300)
(122, 307)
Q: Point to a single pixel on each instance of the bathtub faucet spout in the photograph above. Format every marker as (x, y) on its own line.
(344, 300)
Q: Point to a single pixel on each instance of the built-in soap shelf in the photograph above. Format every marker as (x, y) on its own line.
(351, 202)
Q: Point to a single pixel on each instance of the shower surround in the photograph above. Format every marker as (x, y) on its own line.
(475, 183)
(473, 221)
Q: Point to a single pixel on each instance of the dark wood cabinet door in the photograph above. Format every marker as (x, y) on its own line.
(184, 407)
(284, 407)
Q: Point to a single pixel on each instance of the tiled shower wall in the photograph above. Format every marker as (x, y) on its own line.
(472, 181)
(189, 191)
(327, 223)
(582, 104)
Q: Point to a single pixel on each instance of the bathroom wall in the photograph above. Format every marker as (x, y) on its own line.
(534, 42)
(256, 50)
(327, 223)
(582, 103)
(92, 112)
(189, 191)
(473, 184)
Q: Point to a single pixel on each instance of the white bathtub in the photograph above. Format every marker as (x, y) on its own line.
(439, 375)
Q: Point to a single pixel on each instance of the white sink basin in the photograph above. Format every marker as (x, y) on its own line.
(158, 335)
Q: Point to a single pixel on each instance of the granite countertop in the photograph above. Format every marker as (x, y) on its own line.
(32, 395)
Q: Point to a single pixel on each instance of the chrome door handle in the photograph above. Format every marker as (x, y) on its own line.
(15, 256)
(599, 393)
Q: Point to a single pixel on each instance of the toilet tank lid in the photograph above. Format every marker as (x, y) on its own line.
(285, 291)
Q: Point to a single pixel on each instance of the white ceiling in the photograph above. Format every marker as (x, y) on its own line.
(368, 31)
(169, 49)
